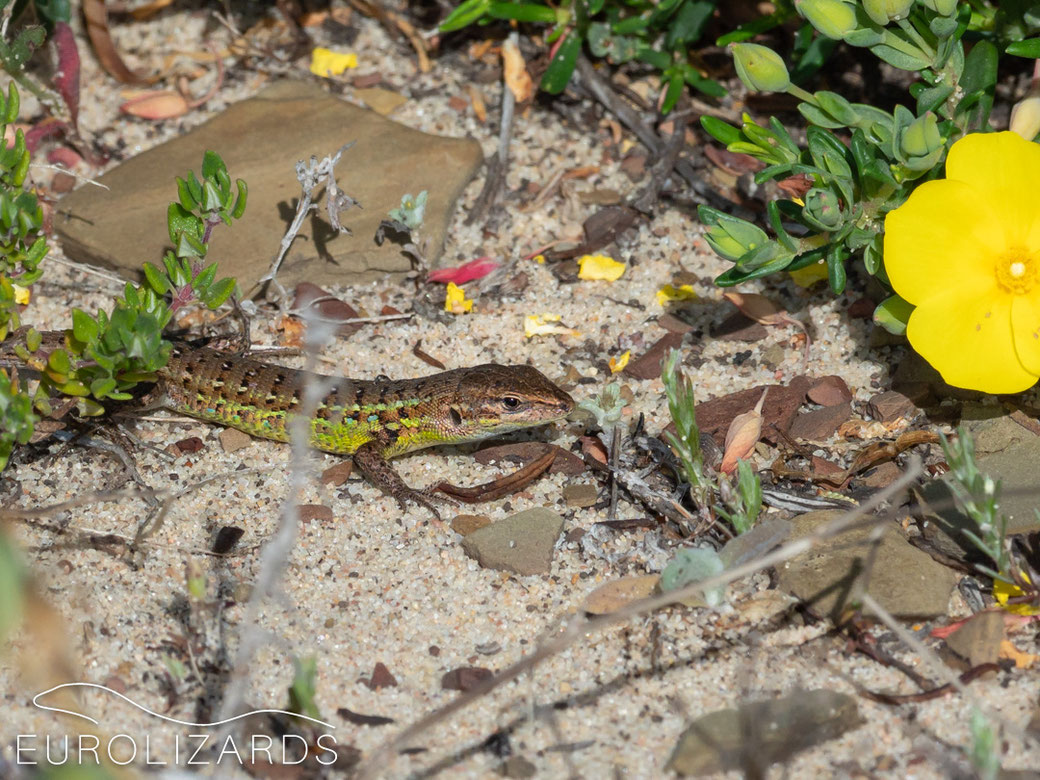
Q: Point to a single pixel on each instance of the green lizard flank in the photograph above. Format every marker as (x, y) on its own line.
(371, 420)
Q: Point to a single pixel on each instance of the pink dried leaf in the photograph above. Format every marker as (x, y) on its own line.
(742, 436)
(467, 272)
(67, 77)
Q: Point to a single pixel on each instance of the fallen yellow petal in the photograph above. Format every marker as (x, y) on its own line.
(21, 294)
(455, 300)
(618, 364)
(540, 259)
(668, 293)
(325, 62)
(1002, 591)
(808, 276)
(542, 325)
(599, 268)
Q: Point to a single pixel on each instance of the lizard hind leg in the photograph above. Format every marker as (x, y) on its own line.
(377, 469)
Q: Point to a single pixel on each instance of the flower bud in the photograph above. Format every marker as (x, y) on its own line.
(824, 208)
(942, 7)
(883, 11)
(921, 137)
(1025, 117)
(832, 18)
(760, 68)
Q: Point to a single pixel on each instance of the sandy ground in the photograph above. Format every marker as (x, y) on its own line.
(378, 585)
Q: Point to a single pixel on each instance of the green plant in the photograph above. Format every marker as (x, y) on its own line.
(741, 502)
(104, 356)
(656, 33)
(303, 689)
(859, 162)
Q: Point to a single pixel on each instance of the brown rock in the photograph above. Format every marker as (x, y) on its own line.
(310, 512)
(190, 445)
(978, 640)
(325, 307)
(583, 495)
(738, 327)
(232, 439)
(820, 425)
(829, 391)
(337, 474)
(464, 525)
(381, 678)
(382, 101)
(882, 475)
(673, 324)
(464, 678)
(634, 166)
(891, 405)
(126, 223)
(648, 365)
(782, 403)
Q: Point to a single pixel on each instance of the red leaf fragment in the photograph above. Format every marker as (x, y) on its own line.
(66, 79)
(467, 272)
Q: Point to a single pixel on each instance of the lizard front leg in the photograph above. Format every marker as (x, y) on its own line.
(377, 469)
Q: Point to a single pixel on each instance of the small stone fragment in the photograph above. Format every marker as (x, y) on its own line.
(829, 391)
(464, 525)
(820, 424)
(782, 403)
(227, 538)
(978, 640)
(232, 439)
(773, 356)
(517, 768)
(523, 543)
(882, 475)
(363, 720)
(583, 495)
(673, 324)
(338, 473)
(189, 445)
(890, 405)
(766, 732)
(309, 512)
(381, 678)
(382, 101)
(904, 580)
(648, 365)
(464, 678)
(615, 594)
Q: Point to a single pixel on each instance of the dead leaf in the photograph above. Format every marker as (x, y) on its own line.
(156, 104)
(97, 30)
(1022, 660)
(476, 98)
(742, 436)
(616, 594)
(311, 299)
(503, 486)
(515, 72)
(66, 78)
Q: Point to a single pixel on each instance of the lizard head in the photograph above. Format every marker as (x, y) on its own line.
(494, 399)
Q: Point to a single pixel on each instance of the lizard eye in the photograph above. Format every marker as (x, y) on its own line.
(510, 402)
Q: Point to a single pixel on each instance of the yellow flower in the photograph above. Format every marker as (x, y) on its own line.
(810, 274)
(595, 267)
(966, 252)
(455, 300)
(21, 294)
(325, 62)
(1002, 591)
(669, 292)
(617, 365)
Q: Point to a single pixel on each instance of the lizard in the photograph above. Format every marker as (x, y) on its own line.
(370, 420)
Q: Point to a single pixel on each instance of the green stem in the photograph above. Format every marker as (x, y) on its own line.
(801, 94)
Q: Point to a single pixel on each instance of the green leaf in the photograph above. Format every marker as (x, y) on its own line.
(688, 23)
(155, 278)
(721, 131)
(302, 691)
(102, 387)
(899, 59)
(930, 98)
(179, 221)
(562, 65)
(240, 201)
(837, 106)
(673, 92)
(1030, 48)
(836, 268)
(13, 104)
(205, 278)
(892, 314)
(219, 293)
(84, 327)
(212, 165)
(522, 12)
(465, 14)
(693, 564)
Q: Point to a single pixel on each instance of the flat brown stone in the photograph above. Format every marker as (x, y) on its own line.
(820, 424)
(829, 391)
(715, 416)
(261, 140)
(648, 365)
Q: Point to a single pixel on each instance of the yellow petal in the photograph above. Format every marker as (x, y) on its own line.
(944, 235)
(670, 293)
(618, 364)
(325, 62)
(455, 300)
(810, 275)
(543, 325)
(966, 335)
(1025, 321)
(1003, 169)
(600, 267)
(1002, 591)
(21, 294)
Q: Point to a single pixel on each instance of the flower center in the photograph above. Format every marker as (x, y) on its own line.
(1018, 272)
